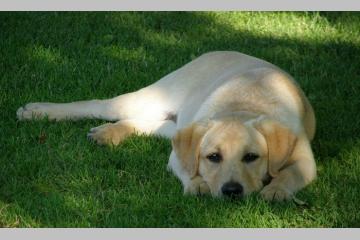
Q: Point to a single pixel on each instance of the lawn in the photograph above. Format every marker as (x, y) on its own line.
(52, 176)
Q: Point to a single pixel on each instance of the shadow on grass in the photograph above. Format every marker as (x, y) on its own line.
(100, 55)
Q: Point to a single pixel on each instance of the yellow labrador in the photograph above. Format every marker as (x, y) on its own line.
(238, 125)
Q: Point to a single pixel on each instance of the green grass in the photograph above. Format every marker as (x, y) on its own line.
(51, 176)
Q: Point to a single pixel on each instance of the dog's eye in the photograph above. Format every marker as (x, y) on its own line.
(214, 157)
(250, 157)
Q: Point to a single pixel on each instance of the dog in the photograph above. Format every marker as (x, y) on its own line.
(237, 124)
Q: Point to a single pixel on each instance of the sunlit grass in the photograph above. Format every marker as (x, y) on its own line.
(51, 176)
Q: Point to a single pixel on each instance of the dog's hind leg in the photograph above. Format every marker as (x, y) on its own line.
(66, 111)
(115, 133)
(149, 103)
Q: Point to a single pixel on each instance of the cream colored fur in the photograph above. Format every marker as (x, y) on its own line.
(222, 101)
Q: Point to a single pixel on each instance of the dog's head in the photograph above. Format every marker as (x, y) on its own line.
(234, 158)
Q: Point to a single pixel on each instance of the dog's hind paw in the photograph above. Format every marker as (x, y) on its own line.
(33, 111)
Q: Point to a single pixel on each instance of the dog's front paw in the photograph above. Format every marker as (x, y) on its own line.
(109, 133)
(197, 186)
(276, 193)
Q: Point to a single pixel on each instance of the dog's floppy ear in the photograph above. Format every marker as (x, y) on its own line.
(186, 144)
(280, 144)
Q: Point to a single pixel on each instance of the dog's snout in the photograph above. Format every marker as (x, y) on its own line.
(232, 189)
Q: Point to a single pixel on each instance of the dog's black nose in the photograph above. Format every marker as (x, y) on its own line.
(232, 189)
